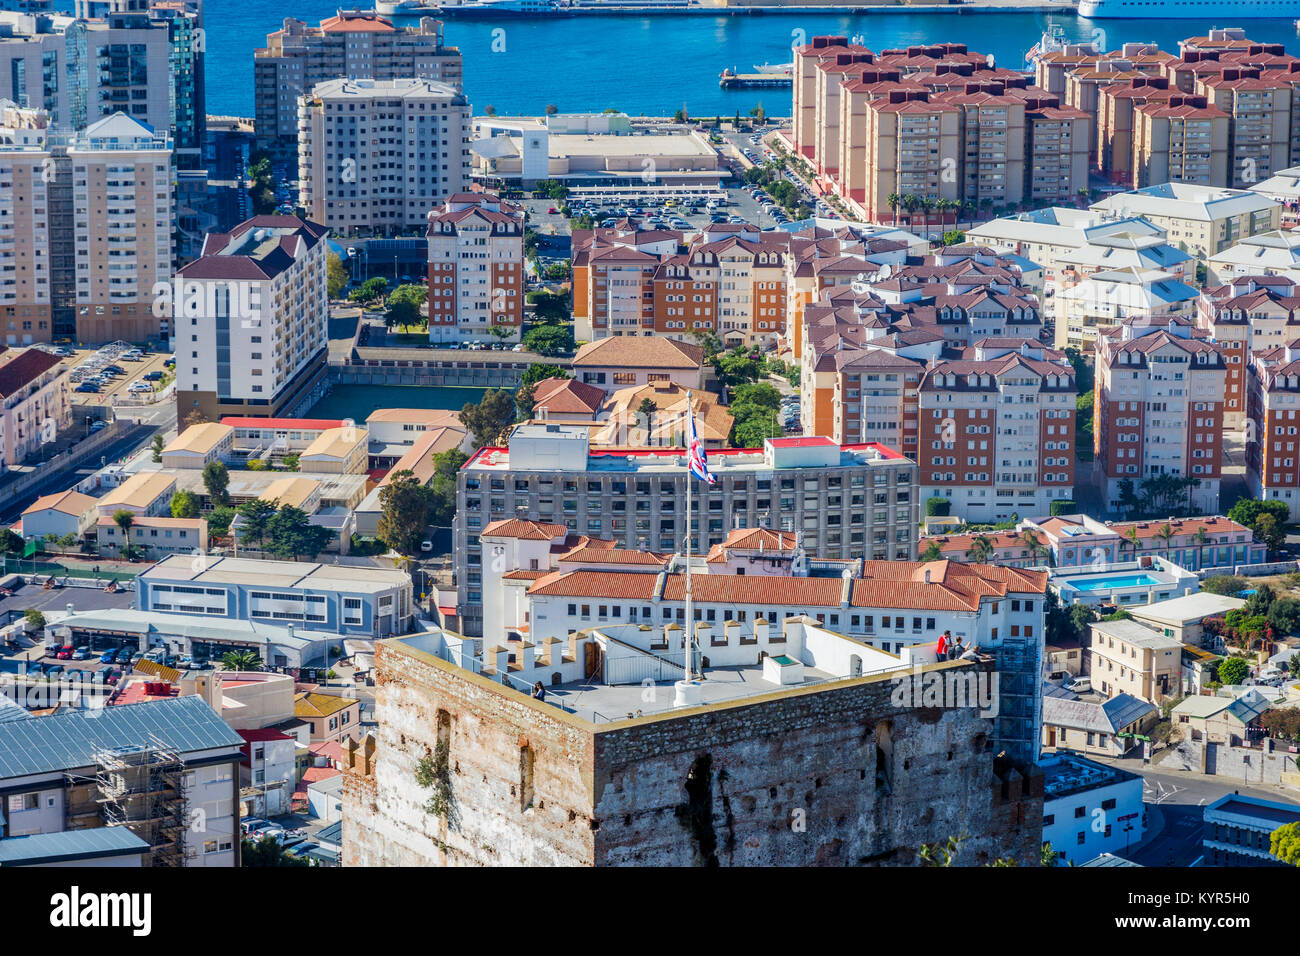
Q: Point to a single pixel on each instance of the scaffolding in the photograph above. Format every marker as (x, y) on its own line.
(144, 787)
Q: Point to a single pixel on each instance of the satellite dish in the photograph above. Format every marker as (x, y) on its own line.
(886, 271)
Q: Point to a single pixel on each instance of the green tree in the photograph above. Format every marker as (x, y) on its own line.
(1247, 510)
(442, 490)
(759, 113)
(752, 425)
(1049, 856)
(539, 371)
(757, 393)
(549, 307)
(336, 275)
(981, 549)
(1224, 584)
(490, 420)
(216, 479)
(404, 305)
(1080, 617)
(549, 340)
(267, 852)
(124, 519)
(185, 504)
(156, 446)
(10, 540)
(1233, 670)
(1284, 843)
(244, 660)
(291, 535)
(1284, 615)
(219, 520)
(254, 521)
(735, 368)
(34, 619)
(404, 511)
(262, 188)
(371, 291)
(1270, 531)
(932, 552)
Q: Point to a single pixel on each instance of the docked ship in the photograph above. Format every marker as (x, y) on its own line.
(470, 8)
(1188, 9)
(787, 68)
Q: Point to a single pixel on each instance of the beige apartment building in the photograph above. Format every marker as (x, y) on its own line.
(357, 44)
(1124, 657)
(914, 148)
(1260, 111)
(1182, 138)
(374, 156)
(122, 210)
(26, 272)
(1200, 219)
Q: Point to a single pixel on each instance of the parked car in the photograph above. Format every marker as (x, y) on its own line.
(53, 670)
(99, 426)
(123, 656)
(153, 376)
(249, 824)
(81, 654)
(107, 657)
(1080, 684)
(64, 653)
(86, 387)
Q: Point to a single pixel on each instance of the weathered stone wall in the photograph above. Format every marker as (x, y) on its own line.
(837, 776)
(797, 778)
(489, 727)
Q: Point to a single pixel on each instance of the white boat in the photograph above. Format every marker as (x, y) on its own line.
(1188, 9)
(774, 68)
(1050, 42)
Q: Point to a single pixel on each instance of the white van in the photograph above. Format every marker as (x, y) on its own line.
(1080, 684)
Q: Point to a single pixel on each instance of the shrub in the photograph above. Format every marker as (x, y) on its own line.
(937, 507)
(1062, 506)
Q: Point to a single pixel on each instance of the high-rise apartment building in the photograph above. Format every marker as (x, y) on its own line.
(1159, 407)
(251, 322)
(122, 215)
(476, 269)
(353, 44)
(374, 156)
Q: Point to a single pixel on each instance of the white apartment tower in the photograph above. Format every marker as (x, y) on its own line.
(374, 156)
(251, 317)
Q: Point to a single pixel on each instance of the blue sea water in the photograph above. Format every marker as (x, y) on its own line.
(652, 65)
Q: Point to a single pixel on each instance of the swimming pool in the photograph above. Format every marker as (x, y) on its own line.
(1118, 581)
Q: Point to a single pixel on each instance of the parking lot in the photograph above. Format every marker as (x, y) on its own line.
(113, 370)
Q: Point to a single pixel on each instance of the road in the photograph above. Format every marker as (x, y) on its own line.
(1180, 798)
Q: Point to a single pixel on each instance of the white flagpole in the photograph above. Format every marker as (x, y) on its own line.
(690, 617)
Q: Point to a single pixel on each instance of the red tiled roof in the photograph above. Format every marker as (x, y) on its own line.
(524, 529)
(19, 371)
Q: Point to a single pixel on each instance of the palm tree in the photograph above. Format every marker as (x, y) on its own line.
(981, 549)
(893, 200)
(1035, 545)
(246, 660)
(910, 201)
(1165, 534)
(1202, 537)
(1134, 539)
(124, 519)
(932, 552)
(927, 205)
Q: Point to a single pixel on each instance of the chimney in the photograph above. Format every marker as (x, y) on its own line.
(927, 575)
